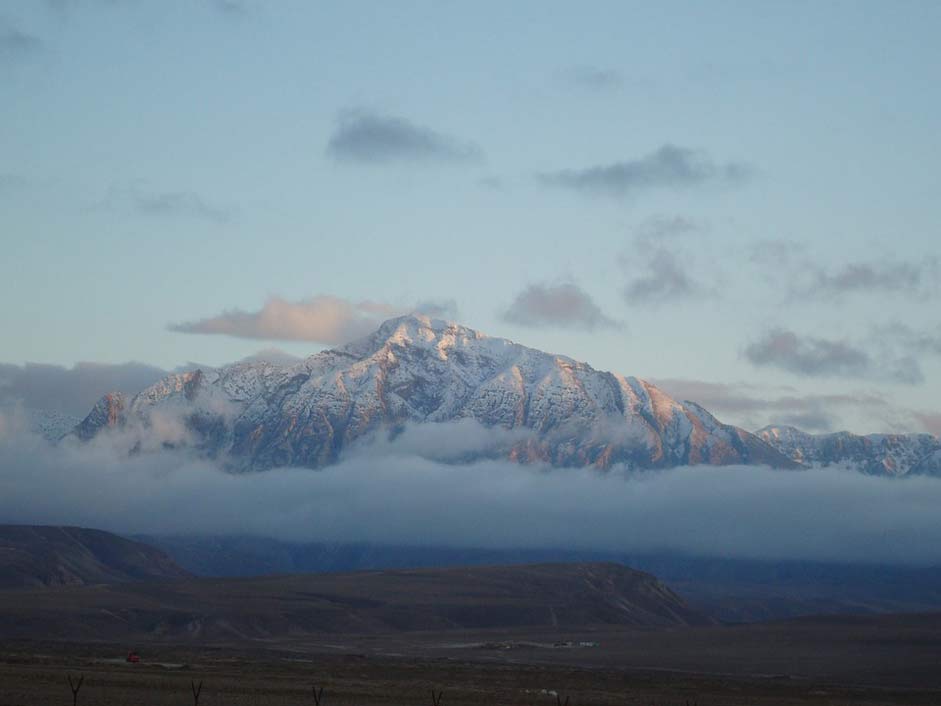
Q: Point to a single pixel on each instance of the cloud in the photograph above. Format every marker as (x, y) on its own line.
(814, 422)
(761, 405)
(777, 406)
(821, 357)
(657, 230)
(320, 319)
(437, 308)
(748, 512)
(665, 279)
(668, 167)
(71, 390)
(365, 137)
(930, 421)
(16, 44)
(775, 253)
(164, 204)
(592, 77)
(912, 278)
(275, 356)
(491, 183)
(230, 8)
(557, 305)
(908, 338)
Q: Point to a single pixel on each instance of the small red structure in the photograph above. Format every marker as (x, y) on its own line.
(133, 657)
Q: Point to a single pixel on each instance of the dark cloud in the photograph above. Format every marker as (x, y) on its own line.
(820, 357)
(912, 278)
(370, 138)
(592, 77)
(557, 305)
(665, 279)
(71, 390)
(808, 356)
(320, 319)
(16, 44)
(164, 204)
(393, 493)
(668, 167)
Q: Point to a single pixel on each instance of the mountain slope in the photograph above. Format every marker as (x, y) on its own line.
(561, 595)
(416, 370)
(874, 454)
(37, 556)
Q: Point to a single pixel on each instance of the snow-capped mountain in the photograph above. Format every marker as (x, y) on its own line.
(874, 454)
(416, 370)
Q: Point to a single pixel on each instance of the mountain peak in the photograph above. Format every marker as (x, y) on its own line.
(416, 369)
(423, 330)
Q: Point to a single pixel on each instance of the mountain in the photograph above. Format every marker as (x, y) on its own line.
(735, 590)
(874, 454)
(36, 556)
(416, 370)
(557, 595)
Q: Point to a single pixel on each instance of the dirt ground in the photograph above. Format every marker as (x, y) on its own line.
(37, 675)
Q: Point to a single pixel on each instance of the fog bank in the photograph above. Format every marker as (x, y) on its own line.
(406, 492)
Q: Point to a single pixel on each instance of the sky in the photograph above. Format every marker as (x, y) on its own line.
(736, 200)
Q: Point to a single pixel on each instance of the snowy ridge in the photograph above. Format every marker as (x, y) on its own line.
(874, 454)
(416, 370)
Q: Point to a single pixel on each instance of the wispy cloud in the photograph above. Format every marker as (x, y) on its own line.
(491, 183)
(594, 78)
(563, 305)
(657, 230)
(437, 308)
(230, 8)
(320, 319)
(775, 253)
(669, 167)
(887, 276)
(16, 44)
(366, 137)
(756, 406)
(164, 204)
(821, 357)
(665, 278)
(926, 342)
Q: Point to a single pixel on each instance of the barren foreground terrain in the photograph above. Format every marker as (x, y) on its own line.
(884, 660)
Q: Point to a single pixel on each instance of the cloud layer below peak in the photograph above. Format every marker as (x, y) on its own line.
(393, 493)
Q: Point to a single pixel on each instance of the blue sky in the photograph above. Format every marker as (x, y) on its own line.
(738, 199)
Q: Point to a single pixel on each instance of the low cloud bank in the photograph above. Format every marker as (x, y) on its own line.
(71, 390)
(402, 492)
